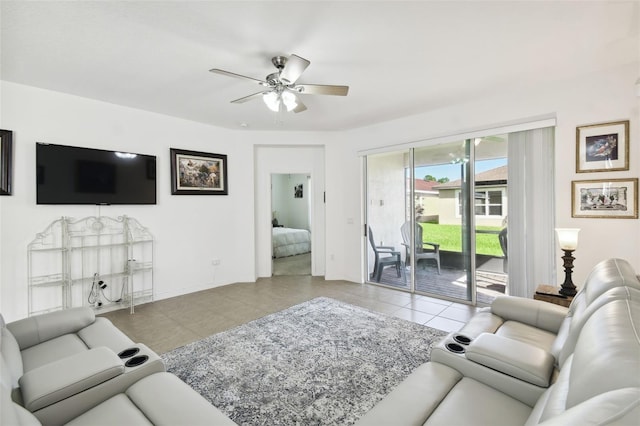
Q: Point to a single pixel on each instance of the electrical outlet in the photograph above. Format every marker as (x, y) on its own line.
(215, 262)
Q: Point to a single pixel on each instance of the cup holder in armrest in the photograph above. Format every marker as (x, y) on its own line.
(463, 340)
(136, 361)
(455, 348)
(128, 353)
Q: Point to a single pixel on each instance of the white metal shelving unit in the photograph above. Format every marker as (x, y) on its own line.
(71, 259)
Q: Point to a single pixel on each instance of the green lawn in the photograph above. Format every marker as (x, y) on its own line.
(450, 239)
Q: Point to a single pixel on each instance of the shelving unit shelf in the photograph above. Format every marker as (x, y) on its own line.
(101, 262)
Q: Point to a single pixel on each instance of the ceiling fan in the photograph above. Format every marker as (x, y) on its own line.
(281, 88)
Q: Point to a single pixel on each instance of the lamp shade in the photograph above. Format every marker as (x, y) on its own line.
(289, 100)
(568, 238)
(272, 101)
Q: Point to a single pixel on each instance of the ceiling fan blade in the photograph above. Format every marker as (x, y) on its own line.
(232, 74)
(321, 89)
(293, 69)
(248, 98)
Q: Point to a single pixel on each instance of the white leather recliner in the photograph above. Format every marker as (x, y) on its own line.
(547, 326)
(598, 384)
(158, 399)
(71, 367)
(532, 342)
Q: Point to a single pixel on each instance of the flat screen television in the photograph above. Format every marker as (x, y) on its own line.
(74, 175)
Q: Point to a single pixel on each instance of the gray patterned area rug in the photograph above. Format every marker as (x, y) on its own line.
(322, 362)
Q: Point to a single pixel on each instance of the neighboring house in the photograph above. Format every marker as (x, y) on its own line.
(490, 199)
(426, 201)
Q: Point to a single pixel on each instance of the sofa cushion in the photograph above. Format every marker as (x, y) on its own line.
(607, 353)
(527, 334)
(535, 313)
(167, 400)
(103, 333)
(52, 350)
(41, 328)
(608, 274)
(415, 398)
(579, 319)
(117, 410)
(619, 407)
(472, 403)
(604, 367)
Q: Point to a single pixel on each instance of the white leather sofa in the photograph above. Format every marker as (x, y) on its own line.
(69, 366)
(598, 384)
(547, 326)
(532, 341)
(158, 399)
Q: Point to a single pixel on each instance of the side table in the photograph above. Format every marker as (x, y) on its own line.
(549, 293)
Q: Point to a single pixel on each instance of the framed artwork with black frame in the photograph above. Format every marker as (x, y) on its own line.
(6, 161)
(605, 198)
(602, 147)
(198, 173)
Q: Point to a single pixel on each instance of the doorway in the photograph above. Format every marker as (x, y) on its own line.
(291, 224)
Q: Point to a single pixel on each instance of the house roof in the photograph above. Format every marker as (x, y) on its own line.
(489, 177)
(423, 185)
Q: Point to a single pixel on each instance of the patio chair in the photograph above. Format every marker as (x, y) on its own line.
(423, 250)
(502, 237)
(385, 256)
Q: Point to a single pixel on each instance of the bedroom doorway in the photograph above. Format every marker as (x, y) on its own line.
(291, 224)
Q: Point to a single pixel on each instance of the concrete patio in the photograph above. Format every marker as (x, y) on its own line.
(491, 281)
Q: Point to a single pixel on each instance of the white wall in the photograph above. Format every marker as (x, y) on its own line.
(599, 97)
(190, 230)
(386, 204)
(291, 212)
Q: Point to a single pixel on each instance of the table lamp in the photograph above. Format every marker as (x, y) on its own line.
(568, 240)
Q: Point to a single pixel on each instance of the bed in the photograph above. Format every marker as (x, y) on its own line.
(290, 242)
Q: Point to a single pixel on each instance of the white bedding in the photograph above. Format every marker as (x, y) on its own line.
(289, 242)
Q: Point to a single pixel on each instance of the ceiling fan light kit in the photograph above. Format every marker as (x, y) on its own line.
(275, 101)
(282, 90)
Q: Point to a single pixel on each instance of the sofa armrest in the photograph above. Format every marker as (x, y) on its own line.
(514, 358)
(68, 376)
(536, 313)
(40, 328)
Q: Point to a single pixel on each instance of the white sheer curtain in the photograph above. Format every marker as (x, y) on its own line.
(531, 210)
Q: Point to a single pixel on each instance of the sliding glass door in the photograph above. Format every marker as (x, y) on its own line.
(432, 229)
(387, 210)
(443, 215)
(491, 189)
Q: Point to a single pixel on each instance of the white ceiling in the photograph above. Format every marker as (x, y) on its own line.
(399, 58)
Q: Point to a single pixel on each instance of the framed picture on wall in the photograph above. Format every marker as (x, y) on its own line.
(609, 198)
(602, 147)
(198, 173)
(6, 162)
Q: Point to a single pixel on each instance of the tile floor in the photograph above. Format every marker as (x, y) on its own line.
(170, 323)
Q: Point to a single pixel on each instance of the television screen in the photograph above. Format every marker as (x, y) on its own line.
(73, 175)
